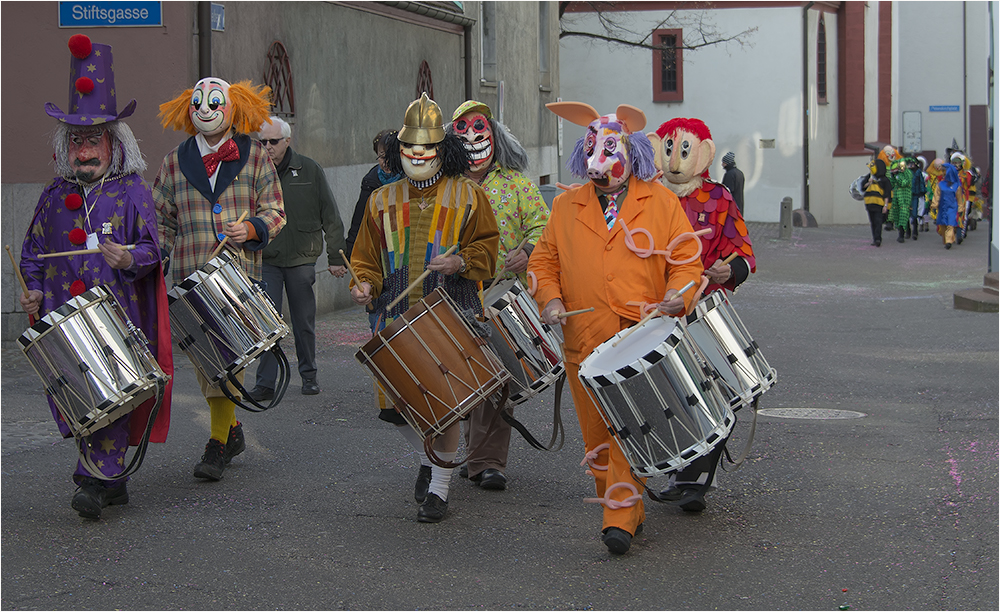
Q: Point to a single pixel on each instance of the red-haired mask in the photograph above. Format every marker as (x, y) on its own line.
(684, 151)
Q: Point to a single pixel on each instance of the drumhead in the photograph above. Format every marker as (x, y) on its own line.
(646, 343)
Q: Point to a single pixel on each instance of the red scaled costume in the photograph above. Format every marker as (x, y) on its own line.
(684, 151)
(579, 261)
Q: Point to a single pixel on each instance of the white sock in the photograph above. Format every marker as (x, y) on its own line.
(416, 441)
(441, 477)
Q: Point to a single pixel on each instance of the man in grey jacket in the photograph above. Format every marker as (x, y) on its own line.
(290, 257)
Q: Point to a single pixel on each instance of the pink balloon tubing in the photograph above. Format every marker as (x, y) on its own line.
(650, 250)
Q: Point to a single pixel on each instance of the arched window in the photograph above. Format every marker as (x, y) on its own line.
(279, 78)
(424, 80)
(821, 61)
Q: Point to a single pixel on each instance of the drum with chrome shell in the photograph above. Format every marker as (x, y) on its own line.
(655, 395)
(94, 363)
(744, 374)
(527, 346)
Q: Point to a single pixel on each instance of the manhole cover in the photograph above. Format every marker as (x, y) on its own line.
(810, 413)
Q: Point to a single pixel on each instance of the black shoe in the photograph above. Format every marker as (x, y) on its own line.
(310, 386)
(690, 498)
(900, 239)
(947, 246)
(878, 243)
(92, 496)
(432, 510)
(261, 394)
(212, 464)
(464, 470)
(492, 479)
(236, 443)
(423, 483)
(617, 540)
(908, 230)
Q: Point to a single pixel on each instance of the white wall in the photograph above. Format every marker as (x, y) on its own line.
(742, 94)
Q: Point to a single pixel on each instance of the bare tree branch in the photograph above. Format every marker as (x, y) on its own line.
(613, 27)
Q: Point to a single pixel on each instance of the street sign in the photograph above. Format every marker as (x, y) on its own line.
(945, 109)
(99, 14)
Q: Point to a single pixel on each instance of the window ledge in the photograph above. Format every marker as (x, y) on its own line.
(485, 83)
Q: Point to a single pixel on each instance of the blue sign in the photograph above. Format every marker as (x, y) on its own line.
(945, 109)
(100, 14)
(218, 18)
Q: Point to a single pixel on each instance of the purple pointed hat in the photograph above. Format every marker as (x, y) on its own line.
(91, 86)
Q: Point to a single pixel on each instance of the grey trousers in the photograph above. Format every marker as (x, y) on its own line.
(297, 282)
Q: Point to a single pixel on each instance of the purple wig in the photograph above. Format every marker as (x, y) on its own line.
(640, 152)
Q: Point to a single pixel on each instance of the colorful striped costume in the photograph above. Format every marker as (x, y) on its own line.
(405, 227)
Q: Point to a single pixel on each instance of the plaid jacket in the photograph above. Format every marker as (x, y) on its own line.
(190, 217)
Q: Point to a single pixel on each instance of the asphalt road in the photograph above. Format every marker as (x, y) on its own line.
(895, 509)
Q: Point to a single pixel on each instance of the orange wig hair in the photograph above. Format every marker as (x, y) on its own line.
(251, 108)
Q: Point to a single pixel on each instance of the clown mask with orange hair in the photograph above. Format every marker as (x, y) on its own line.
(213, 107)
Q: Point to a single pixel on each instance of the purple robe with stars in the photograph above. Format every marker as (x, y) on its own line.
(120, 209)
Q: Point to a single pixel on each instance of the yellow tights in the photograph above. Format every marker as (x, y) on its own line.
(223, 413)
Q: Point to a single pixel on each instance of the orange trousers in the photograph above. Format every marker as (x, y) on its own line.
(595, 433)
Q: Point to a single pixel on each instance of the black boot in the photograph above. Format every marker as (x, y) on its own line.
(900, 239)
(93, 496)
(916, 229)
(907, 229)
(212, 462)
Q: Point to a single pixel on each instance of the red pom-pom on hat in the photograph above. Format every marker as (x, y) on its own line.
(74, 201)
(77, 287)
(77, 236)
(84, 85)
(80, 46)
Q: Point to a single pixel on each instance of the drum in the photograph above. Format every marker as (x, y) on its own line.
(527, 346)
(744, 373)
(662, 406)
(432, 366)
(222, 320)
(94, 363)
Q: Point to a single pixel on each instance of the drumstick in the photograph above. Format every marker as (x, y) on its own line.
(17, 271)
(419, 280)
(218, 249)
(127, 247)
(350, 268)
(652, 313)
(731, 257)
(509, 255)
(563, 315)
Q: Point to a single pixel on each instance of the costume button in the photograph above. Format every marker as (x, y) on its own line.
(608, 247)
(221, 236)
(217, 208)
(611, 277)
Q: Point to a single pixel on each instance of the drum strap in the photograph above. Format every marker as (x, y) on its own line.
(284, 375)
(557, 426)
(140, 451)
(746, 450)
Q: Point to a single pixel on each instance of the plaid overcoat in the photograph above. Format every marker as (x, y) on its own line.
(191, 217)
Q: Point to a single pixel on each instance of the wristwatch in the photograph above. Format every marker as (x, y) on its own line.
(465, 264)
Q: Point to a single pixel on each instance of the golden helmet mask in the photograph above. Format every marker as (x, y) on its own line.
(423, 122)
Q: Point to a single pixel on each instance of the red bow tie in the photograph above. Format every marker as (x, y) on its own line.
(227, 152)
